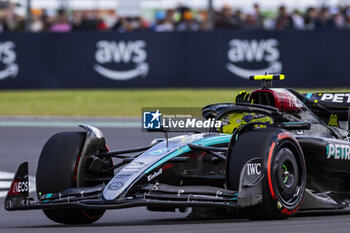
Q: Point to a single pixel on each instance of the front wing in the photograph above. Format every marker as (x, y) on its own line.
(151, 195)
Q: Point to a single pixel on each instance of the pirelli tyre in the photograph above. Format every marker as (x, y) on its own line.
(283, 168)
(57, 171)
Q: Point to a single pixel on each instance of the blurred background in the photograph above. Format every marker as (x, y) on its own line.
(171, 15)
(99, 54)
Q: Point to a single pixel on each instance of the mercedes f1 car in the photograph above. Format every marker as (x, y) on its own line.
(277, 152)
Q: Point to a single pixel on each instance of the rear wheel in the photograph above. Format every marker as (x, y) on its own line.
(57, 170)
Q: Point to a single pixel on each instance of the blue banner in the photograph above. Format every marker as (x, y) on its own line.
(174, 59)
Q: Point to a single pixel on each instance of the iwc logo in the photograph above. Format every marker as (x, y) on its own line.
(262, 54)
(8, 65)
(129, 55)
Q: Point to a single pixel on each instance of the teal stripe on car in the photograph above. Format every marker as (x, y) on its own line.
(204, 142)
(308, 95)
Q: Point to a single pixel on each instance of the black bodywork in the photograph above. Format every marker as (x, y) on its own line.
(231, 173)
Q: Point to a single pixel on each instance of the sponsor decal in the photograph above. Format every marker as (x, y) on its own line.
(333, 120)
(19, 187)
(336, 97)
(154, 175)
(133, 166)
(338, 151)
(6, 181)
(124, 53)
(115, 185)
(8, 56)
(263, 52)
(121, 176)
(253, 169)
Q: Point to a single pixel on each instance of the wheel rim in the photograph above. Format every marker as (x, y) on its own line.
(288, 177)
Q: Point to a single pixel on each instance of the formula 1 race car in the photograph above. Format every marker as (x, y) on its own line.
(276, 152)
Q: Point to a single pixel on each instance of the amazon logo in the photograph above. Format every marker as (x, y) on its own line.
(8, 56)
(259, 53)
(130, 53)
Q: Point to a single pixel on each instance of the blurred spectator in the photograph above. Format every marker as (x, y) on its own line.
(298, 20)
(283, 21)
(224, 18)
(203, 20)
(36, 24)
(310, 18)
(347, 18)
(251, 23)
(77, 20)
(61, 23)
(164, 21)
(45, 19)
(238, 20)
(89, 22)
(339, 21)
(140, 24)
(188, 22)
(3, 23)
(324, 21)
(109, 18)
(259, 18)
(118, 25)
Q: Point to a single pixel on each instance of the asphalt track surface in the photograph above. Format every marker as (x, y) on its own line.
(23, 143)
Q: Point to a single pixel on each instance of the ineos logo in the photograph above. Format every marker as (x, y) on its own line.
(20, 187)
(8, 59)
(121, 52)
(254, 51)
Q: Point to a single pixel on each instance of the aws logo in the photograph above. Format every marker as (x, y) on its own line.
(122, 60)
(8, 56)
(253, 53)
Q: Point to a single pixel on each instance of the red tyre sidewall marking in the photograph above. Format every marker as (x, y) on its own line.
(269, 170)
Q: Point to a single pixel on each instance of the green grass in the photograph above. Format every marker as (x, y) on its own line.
(107, 102)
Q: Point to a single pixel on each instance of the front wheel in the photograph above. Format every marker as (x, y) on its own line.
(284, 186)
(57, 171)
(284, 170)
